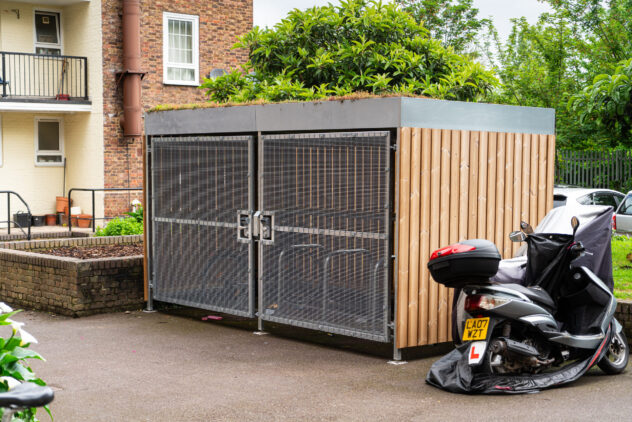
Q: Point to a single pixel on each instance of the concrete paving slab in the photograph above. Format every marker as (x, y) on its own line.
(164, 367)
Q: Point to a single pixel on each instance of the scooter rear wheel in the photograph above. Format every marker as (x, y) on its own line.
(616, 358)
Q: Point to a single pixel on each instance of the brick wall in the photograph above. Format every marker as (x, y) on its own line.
(221, 21)
(624, 316)
(69, 286)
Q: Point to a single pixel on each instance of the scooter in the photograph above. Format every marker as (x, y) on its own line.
(517, 338)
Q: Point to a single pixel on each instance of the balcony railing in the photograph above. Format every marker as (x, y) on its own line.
(40, 77)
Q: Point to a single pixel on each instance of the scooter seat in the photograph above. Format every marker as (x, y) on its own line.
(535, 294)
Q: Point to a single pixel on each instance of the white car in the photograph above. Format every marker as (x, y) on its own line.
(570, 195)
(622, 219)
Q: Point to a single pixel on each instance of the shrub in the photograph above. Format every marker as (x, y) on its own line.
(359, 46)
(121, 227)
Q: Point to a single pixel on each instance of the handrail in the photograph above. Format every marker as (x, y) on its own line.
(43, 76)
(28, 209)
(93, 192)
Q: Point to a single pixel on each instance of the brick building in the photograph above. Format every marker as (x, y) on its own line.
(61, 92)
(216, 23)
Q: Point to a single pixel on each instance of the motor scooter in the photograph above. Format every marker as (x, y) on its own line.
(523, 338)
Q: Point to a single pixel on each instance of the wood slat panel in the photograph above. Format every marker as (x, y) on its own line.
(550, 172)
(424, 253)
(509, 183)
(533, 184)
(403, 237)
(517, 184)
(455, 185)
(473, 196)
(526, 177)
(413, 266)
(454, 209)
(482, 187)
(435, 197)
(500, 192)
(542, 181)
(444, 234)
(491, 187)
(464, 174)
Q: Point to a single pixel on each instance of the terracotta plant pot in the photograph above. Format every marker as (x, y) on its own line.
(61, 203)
(74, 220)
(84, 220)
(51, 219)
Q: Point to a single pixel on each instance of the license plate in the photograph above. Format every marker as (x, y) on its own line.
(475, 329)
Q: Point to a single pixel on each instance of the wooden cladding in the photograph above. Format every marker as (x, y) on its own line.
(456, 185)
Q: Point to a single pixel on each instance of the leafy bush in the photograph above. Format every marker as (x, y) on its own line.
(359, 46)
(14, 367)
(121, 227)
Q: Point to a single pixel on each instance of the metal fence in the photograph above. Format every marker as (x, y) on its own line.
(33, 76)
(595, 169)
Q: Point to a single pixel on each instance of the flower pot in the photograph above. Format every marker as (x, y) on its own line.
(84, 220)
(51, 219)
(61, 203)
(74, 220)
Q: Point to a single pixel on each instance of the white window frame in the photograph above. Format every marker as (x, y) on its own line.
(195, 20)
(59, 152)
(0, 140)
(36, 44)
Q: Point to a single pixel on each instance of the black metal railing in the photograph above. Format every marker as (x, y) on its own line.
(28, 76)
(28, 211)
(93, 191)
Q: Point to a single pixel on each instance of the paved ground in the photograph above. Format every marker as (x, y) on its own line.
(164, 367)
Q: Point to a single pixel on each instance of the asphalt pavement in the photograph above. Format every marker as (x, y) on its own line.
(166, 367)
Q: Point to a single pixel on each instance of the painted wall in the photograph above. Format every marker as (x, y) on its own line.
(83, 132)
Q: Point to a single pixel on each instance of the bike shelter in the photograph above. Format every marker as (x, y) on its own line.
(323, 215)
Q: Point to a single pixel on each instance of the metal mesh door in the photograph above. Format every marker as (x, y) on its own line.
(324, 258)
(199, 184)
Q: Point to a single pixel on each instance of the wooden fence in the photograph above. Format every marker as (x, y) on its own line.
(595, 169)
(456, 185)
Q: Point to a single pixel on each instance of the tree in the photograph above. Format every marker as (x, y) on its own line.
(454, 22)
(359, 46)
(548, 63)
(605, 106)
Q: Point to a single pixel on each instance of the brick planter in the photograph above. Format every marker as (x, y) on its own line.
(624, 316)
(70, 286)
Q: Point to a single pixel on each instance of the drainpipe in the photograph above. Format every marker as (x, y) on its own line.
(132, 74)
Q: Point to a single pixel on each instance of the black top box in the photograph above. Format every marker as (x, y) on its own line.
(463, 263)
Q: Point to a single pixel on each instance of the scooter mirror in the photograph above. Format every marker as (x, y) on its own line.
(517, 236)
(526, 227)
(574, 224)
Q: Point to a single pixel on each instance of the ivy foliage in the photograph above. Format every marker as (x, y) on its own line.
(358, 46)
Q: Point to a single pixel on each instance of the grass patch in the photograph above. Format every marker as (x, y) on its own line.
(622, 266)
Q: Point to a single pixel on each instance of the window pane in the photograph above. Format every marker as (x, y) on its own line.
(49, 158)
(180, 74)
(46, 28)
(49, 51)
(626, 208)
(48, 136)
(180, 37)
(604, 199)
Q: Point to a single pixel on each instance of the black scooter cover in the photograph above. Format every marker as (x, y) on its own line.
(453, 373)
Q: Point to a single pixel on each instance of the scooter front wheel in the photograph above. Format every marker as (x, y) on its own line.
(616, 358)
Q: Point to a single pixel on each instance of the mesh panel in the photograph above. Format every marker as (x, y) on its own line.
(326, 267)
(198, 185)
